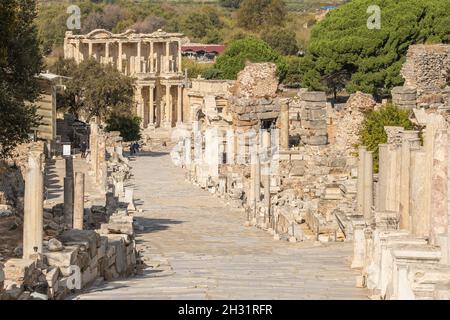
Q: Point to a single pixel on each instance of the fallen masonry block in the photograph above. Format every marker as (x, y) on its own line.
(62, 259)
(19, 271)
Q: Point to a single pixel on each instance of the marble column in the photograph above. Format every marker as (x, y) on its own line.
(151, 59)
(78, 52)
(368, 185)
(33, 205)
(230, 147)
(360, 181)
(420, 218)
(168, 111)
(90, 49)
(107, 52)
(382, 176)
(119, 58)
(101, 164)
(284, 126)
(359, 244)
(439, 179)
(179, 58)
(179, 104)
(78, 208)
(167, 66)
(151, 106)
(140, 105)
(257, 178)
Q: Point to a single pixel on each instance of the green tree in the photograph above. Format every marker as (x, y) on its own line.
(199, 25)
(282, 40)
(293, 77)
(20, 62)
(249, 49)
(372, 131)
(343, 51)
(98, 90)
(129, 126)
(257, 14)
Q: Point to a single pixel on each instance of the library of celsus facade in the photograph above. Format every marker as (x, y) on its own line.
(154, 60)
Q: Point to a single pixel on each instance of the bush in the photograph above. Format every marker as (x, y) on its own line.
(249, 49)
(129, 126)
(194, 69)
(212, 73)
(372, 129)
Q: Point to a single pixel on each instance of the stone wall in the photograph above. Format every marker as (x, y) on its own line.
(426, 73)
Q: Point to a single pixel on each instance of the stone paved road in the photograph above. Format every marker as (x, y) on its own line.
(198, 248)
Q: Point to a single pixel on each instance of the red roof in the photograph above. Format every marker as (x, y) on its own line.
(208, 48)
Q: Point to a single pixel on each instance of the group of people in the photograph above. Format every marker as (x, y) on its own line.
(134, 148)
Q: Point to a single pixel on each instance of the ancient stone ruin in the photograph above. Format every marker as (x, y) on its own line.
(83, 240)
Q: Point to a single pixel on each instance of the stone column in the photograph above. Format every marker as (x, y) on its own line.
(119, 58)
(179, 104)
(101, 163)
(78, 52)
(439, 179)
(93, 146)
(360, 181)
(257, 178)
(68, 192)
(107, 51)
(139, 57)
(368, 185)
(152, 62)
(382, 176)
(420, 219)
(187, 152)
(284, 126)
(140, 105)
(167, 66)
(168, 111)
(90, 49)
(230, 147)
(78, 209)
(33, 205)
(179, 57)
(151, 106)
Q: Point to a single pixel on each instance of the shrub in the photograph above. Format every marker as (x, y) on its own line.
(372, 132)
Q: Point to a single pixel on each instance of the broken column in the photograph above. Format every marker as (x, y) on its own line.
(410, 139)
(33, 205)
(78, 211)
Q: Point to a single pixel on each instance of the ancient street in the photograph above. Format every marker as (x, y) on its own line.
(195, 247)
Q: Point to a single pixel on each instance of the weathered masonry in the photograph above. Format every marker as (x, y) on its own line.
(153, 59)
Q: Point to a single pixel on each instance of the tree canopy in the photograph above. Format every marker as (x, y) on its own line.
(282, 40)
(98, 90)
(249, 49)
(20, 62)
(257, 14)
(343, 51)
